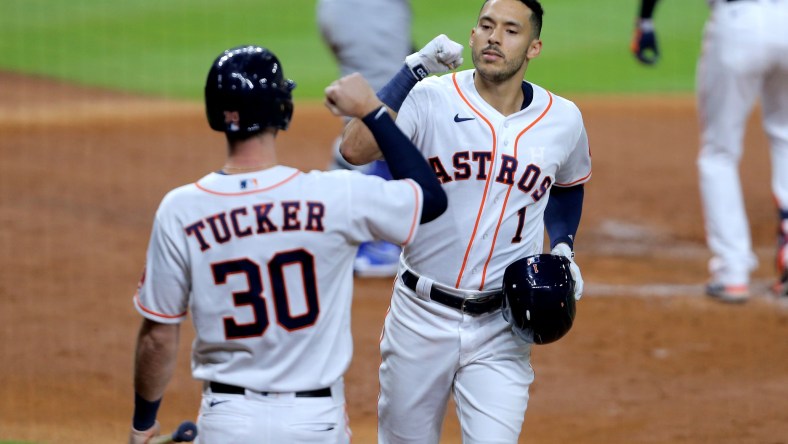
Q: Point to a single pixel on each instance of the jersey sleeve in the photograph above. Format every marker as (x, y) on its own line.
(412, 109)
(388, 210)
(576, 169)
(163, 292)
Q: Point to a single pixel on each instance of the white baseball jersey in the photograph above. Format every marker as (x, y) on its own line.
(744, 58)
(264, 263)
(497, 172)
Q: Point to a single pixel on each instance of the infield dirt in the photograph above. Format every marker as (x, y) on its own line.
(649, 360)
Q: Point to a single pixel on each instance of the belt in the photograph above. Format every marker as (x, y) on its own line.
(218, 387)
(472, 305)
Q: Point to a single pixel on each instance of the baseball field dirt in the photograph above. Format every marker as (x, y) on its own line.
(649, 359)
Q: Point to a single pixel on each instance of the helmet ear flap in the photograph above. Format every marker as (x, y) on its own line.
(539, 298)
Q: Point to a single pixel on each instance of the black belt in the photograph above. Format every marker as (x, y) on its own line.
(218, 387)
(475, 305)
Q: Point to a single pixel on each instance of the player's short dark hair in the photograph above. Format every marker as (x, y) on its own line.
(536, 15)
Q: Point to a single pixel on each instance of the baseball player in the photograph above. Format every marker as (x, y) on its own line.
(261, 255)
(362, 42)
(513, 158)
(744, 57)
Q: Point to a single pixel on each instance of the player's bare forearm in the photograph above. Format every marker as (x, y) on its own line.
(441, 54)
(157, 348)
(358, 144)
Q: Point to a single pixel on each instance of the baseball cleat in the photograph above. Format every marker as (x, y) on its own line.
(377, 259)
(733, 294)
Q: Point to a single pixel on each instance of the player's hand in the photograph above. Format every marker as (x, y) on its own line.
(144, 436)
(439, 55)
(644, 42)
(563, 249)
(351, 96)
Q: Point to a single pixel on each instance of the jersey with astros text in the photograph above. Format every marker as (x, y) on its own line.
(497, 172)
(263, 262)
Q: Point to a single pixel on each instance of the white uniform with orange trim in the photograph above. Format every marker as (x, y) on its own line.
(497, 171)
(264, 263)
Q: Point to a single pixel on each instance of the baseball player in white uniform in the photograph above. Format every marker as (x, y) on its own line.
(363, 41)
(744, 58)
(261, 256)
(513, 158)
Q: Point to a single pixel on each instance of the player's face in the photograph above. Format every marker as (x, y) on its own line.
(502, 41)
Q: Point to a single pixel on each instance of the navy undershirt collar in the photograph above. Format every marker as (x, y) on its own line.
(528, 95)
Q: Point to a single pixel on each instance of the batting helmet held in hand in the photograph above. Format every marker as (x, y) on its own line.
(248, 80)
(539, 299)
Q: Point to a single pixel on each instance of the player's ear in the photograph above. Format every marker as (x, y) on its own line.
(534, 49)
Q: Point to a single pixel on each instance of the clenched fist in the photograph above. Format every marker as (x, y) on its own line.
(351, 96)
(439, 55)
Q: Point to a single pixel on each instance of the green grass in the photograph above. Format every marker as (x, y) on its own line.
(164, 47)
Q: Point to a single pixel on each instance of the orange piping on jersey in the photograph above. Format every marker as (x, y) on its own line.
(572, 183)
(241, 193)
(413, 222)
(584, 178)
(147, 310)
(486, 183)
(506, 200)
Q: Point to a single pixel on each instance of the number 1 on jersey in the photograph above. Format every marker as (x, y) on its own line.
(518, 235)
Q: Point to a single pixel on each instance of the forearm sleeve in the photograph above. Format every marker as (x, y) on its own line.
(393, 94)
(562, 215)
(405, 162)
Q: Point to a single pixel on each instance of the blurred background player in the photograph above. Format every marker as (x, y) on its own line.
(370, 37)
(744, 57)
(261, 254)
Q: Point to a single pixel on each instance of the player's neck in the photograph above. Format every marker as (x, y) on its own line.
(253, 154)
(241, 168)
(506, 97)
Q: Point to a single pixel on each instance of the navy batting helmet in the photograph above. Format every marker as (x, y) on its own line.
(248, 80)
(539, 299)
